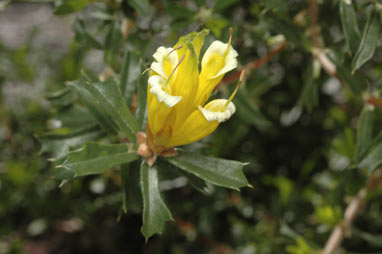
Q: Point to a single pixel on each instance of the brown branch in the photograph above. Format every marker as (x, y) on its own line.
(255, 64)
(352, 211)
(374, 101)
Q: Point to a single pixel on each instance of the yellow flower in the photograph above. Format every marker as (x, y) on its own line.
(177, 94)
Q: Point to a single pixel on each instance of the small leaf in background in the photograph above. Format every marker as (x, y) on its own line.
(223, 4)
(62, 98)
(83, 36)
(74, 118)
(216, 24)
(103, 119)
(130, 75)
(368, 43)
(354, 82)
(141, 112)
(141, 6)
(221, 172)
(69, 6)
(373, 159)
(95, 158)
(301, 247)
(113, 41)
(350, 25)
(310, 93)
(329, 215)
(373, 239)
(364, 133)
(292, 32)
(155, 211)
(63, 174)
(58, 145)
(179, 11)
(249, 112)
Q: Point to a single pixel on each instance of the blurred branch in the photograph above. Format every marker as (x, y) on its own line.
(255, 64)
(352, 211)
(374, 101)
(317, 51)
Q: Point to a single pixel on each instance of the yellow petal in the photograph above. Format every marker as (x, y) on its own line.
(160, 103)
(166, 60)
(219, 59)
(202, 122)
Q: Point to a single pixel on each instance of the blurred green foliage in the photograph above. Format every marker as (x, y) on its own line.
(311, 139)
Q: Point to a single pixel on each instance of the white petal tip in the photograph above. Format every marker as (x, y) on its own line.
(162, 96)
(219, 115)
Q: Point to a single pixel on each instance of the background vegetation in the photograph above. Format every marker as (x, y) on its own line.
(308, 122)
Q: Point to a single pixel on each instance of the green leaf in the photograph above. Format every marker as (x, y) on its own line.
(95, 158)
(62, 98)
(292, 32)
(373, 159)
(354, 82)
(221, 172)
(103, 119)
(350, 25)
(141, 6)
(82, 35)
(223, 4)
(108, 96)
(196, 182)
(58, 145)
(113, 41)
(69, 6)
(364, 133)
(63, 174)
(310, 93)
(74, 117)
(142, 101)
(249, 112)
(155, 211)
(179, 11)
(368, 43)
(124, 186)
(131, 74)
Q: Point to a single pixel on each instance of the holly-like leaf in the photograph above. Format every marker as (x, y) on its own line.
(350, 25)
(58, 145)
(221, 172)
(107, 97)
(373, 159)
(103, 119)
(368, 43)
(95, 158)
(155, 211)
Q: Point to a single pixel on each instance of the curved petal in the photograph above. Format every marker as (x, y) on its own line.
(219, 59)
(202, 122)
(217, 110)
(157, 83)
(166, 60)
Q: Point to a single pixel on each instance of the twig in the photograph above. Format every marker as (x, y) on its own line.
(255, 64)
(352, 211)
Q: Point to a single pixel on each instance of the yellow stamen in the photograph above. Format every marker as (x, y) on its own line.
(173, 71)
(229, 42)
(242, 74)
